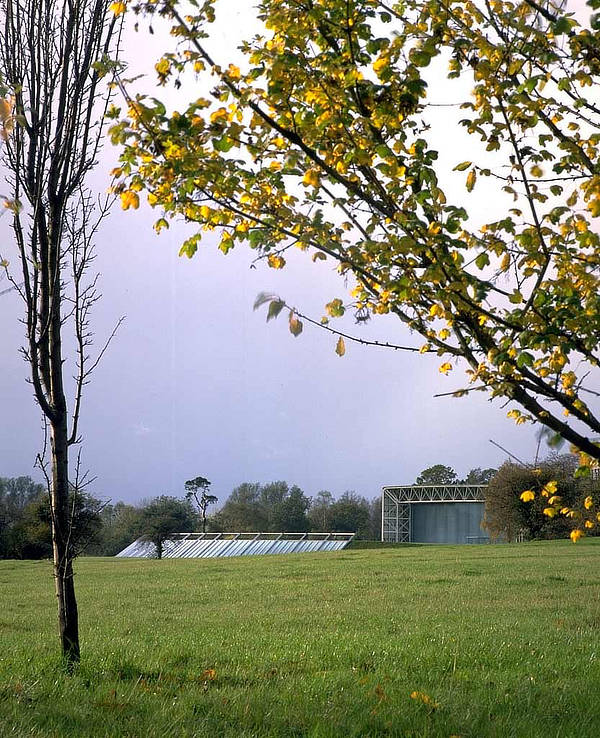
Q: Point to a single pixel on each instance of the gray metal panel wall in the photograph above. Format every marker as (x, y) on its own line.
(446, 522)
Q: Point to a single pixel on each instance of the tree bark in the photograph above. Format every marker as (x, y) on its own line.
(68, 621)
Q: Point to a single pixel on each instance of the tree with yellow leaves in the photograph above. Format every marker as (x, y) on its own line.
(521, 500)
(325, 140)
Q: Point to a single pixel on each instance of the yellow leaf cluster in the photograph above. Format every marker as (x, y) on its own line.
(130, 199)
(118, 8)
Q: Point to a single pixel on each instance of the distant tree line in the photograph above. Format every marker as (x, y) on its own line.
(276, 507)
(104, 529)
(439, 474)
(25, 520)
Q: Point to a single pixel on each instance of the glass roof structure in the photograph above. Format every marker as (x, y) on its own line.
(211, 545)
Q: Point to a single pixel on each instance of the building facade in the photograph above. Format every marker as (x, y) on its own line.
(450, 513)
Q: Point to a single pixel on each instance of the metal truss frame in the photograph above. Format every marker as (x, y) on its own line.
(396, 505)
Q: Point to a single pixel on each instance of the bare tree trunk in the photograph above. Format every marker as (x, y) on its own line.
(54, 55)
(68, 622)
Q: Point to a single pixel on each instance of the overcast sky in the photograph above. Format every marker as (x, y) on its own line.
(196, 383)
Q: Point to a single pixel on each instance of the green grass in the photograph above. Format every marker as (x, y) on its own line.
(505, 639)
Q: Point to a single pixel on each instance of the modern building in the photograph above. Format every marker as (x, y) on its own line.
(450, 513)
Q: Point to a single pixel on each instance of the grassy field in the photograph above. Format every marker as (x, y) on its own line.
(490, 640)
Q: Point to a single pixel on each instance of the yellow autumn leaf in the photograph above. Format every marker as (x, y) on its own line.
(130, 199)
(471, 179)
(118, 8)
(219, 115)
(340, 347)
(588, 503)
(233, 72)
(424, 698)
(6, 108)
(7, 121)
(275, 261)
(576, 535)
(311, 178)
(589, 524)
(549, 488)
(445, 368)
(527, 496)
(295, 325)
(549, 512)
(163, 67)
(594, 207)
(380, 64)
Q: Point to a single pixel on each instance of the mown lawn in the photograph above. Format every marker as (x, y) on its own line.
(503, 640)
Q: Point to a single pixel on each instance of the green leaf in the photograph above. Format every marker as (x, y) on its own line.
(516, 297)
(223, 144)
(562, 26)
(256, 238)
(420, 58)
(262, 298)
(482, 260)
(190, 246)
(462, 166)
(275, 307)
(525, 359)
